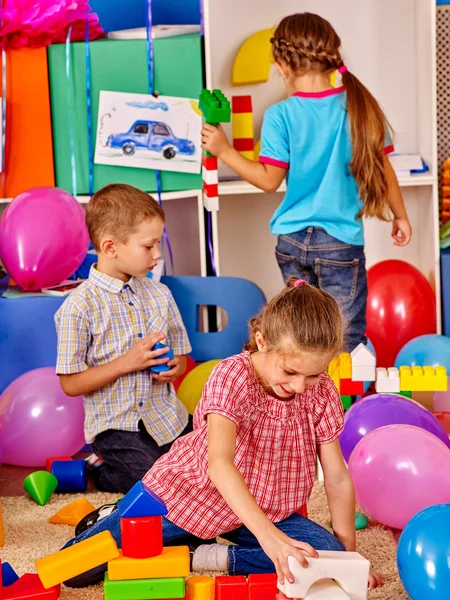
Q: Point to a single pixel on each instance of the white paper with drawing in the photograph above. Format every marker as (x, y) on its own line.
(139, 130)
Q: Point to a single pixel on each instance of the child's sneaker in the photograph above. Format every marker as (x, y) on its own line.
(93, 462)
(93, 517)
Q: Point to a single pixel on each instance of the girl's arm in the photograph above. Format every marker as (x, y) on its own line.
(401, 227)
(341, 498)
(266, 177)
(232, 487)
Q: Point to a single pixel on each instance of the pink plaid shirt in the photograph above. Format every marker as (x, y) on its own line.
(275, 449)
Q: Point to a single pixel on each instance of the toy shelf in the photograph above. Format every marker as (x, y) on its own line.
(393, 52)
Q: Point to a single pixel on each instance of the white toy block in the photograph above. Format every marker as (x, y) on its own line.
(349, 569)
(363, 364)
(210, 176)
(210, 203)
(326, 589)
(388, 381)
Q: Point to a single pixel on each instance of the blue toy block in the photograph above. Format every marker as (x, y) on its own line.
(170, 355)
(141, 502)
(9, 576)
(71, 475)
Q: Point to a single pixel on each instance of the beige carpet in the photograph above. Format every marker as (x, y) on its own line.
(29, 536)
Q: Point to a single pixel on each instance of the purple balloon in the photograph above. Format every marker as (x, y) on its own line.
(379, 410)
(38, 420)
(43, 237)
(399, 470)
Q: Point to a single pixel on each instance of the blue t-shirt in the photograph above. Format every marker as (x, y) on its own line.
(309, 134)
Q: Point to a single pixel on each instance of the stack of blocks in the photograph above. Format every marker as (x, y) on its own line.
(242, 126)
(144, 568)
(350, 371)
(215, 109)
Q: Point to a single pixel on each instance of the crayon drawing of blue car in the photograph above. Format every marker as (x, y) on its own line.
(151, 135)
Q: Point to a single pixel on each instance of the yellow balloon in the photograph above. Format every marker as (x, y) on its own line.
(190, 390)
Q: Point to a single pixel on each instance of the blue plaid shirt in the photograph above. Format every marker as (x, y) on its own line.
(100, 321)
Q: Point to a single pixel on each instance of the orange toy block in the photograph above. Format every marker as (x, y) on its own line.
(200, 587)
(2, 530)
(77, 559)
(29, 145)
(72, 513)
(172, 562)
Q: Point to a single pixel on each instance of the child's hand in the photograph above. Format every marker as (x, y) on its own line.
(214, 140)
(375, 580)
(401, 232)
(141, 356)
(172, 374)
(278, 546)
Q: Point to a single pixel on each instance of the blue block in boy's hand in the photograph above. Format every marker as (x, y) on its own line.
(169, 354)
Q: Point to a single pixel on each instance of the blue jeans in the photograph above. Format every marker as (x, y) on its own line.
(243, 559)
(333, 266)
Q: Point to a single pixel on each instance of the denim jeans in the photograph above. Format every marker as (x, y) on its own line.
(243, 559)
(128, 455)
(333, 266)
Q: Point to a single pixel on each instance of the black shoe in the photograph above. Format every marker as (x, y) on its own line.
(94, 516)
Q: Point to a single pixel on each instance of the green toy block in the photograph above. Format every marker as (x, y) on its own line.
(40, 486)
(144, 589)
(346, 401)
(215, 107)
(406, 394)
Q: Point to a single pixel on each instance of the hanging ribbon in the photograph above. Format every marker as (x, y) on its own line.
(148, 20)
(69, 114)
(4, 90)
(89, 112)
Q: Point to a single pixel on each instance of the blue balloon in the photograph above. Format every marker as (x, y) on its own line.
(423, 553)
(432, 350)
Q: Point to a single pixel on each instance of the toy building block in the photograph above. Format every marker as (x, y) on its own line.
(215, 107)
(49, 461)
(210, 176)
(174, 561)
(231, 588)
(351, 388)
(7, 574)
(141, 502)
(77, 559)
(326, 589)
(363, 364)
(169, 354)
(405, 394)
(334, 372)
(387, 381)
(40, 486)
(262, 586)
(29, 586)
(72, 513)
(242, 125)
(253, 59)
(2, 529)
(71, 475)
(349, 569)
(141, 536)
(426, 379)
(345, 365)
(200, 587)
(347, 401)
(144, 589)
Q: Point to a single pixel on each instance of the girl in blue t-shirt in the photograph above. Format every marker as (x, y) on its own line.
(332, 142)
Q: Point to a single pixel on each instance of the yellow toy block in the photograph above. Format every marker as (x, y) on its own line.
(242, 125)
(345, 365)
(426, 379)
(253, 59)
(248, 154)
(77, 559)
(2, 531)
(72, 513)
(334, 372)
(172, 562)
(200, 587)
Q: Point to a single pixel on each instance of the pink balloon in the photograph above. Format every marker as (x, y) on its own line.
(399, 470)
(38, 420)
(43, 237)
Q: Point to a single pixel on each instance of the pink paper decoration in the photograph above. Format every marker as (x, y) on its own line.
(37, 23)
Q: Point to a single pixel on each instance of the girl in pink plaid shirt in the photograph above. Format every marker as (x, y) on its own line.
(249, 464)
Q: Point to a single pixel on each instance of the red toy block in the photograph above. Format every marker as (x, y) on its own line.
(262, 586)
(241, 104)
(212, 190)
(141, 536)
(231, 588)
(30, 586)
(244, 144)
(210, 162)
(50, 461)
(351, 388)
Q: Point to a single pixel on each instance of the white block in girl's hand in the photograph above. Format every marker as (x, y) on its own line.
(349, 569)
(326, 589)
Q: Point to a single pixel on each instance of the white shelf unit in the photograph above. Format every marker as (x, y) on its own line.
(391, 47)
